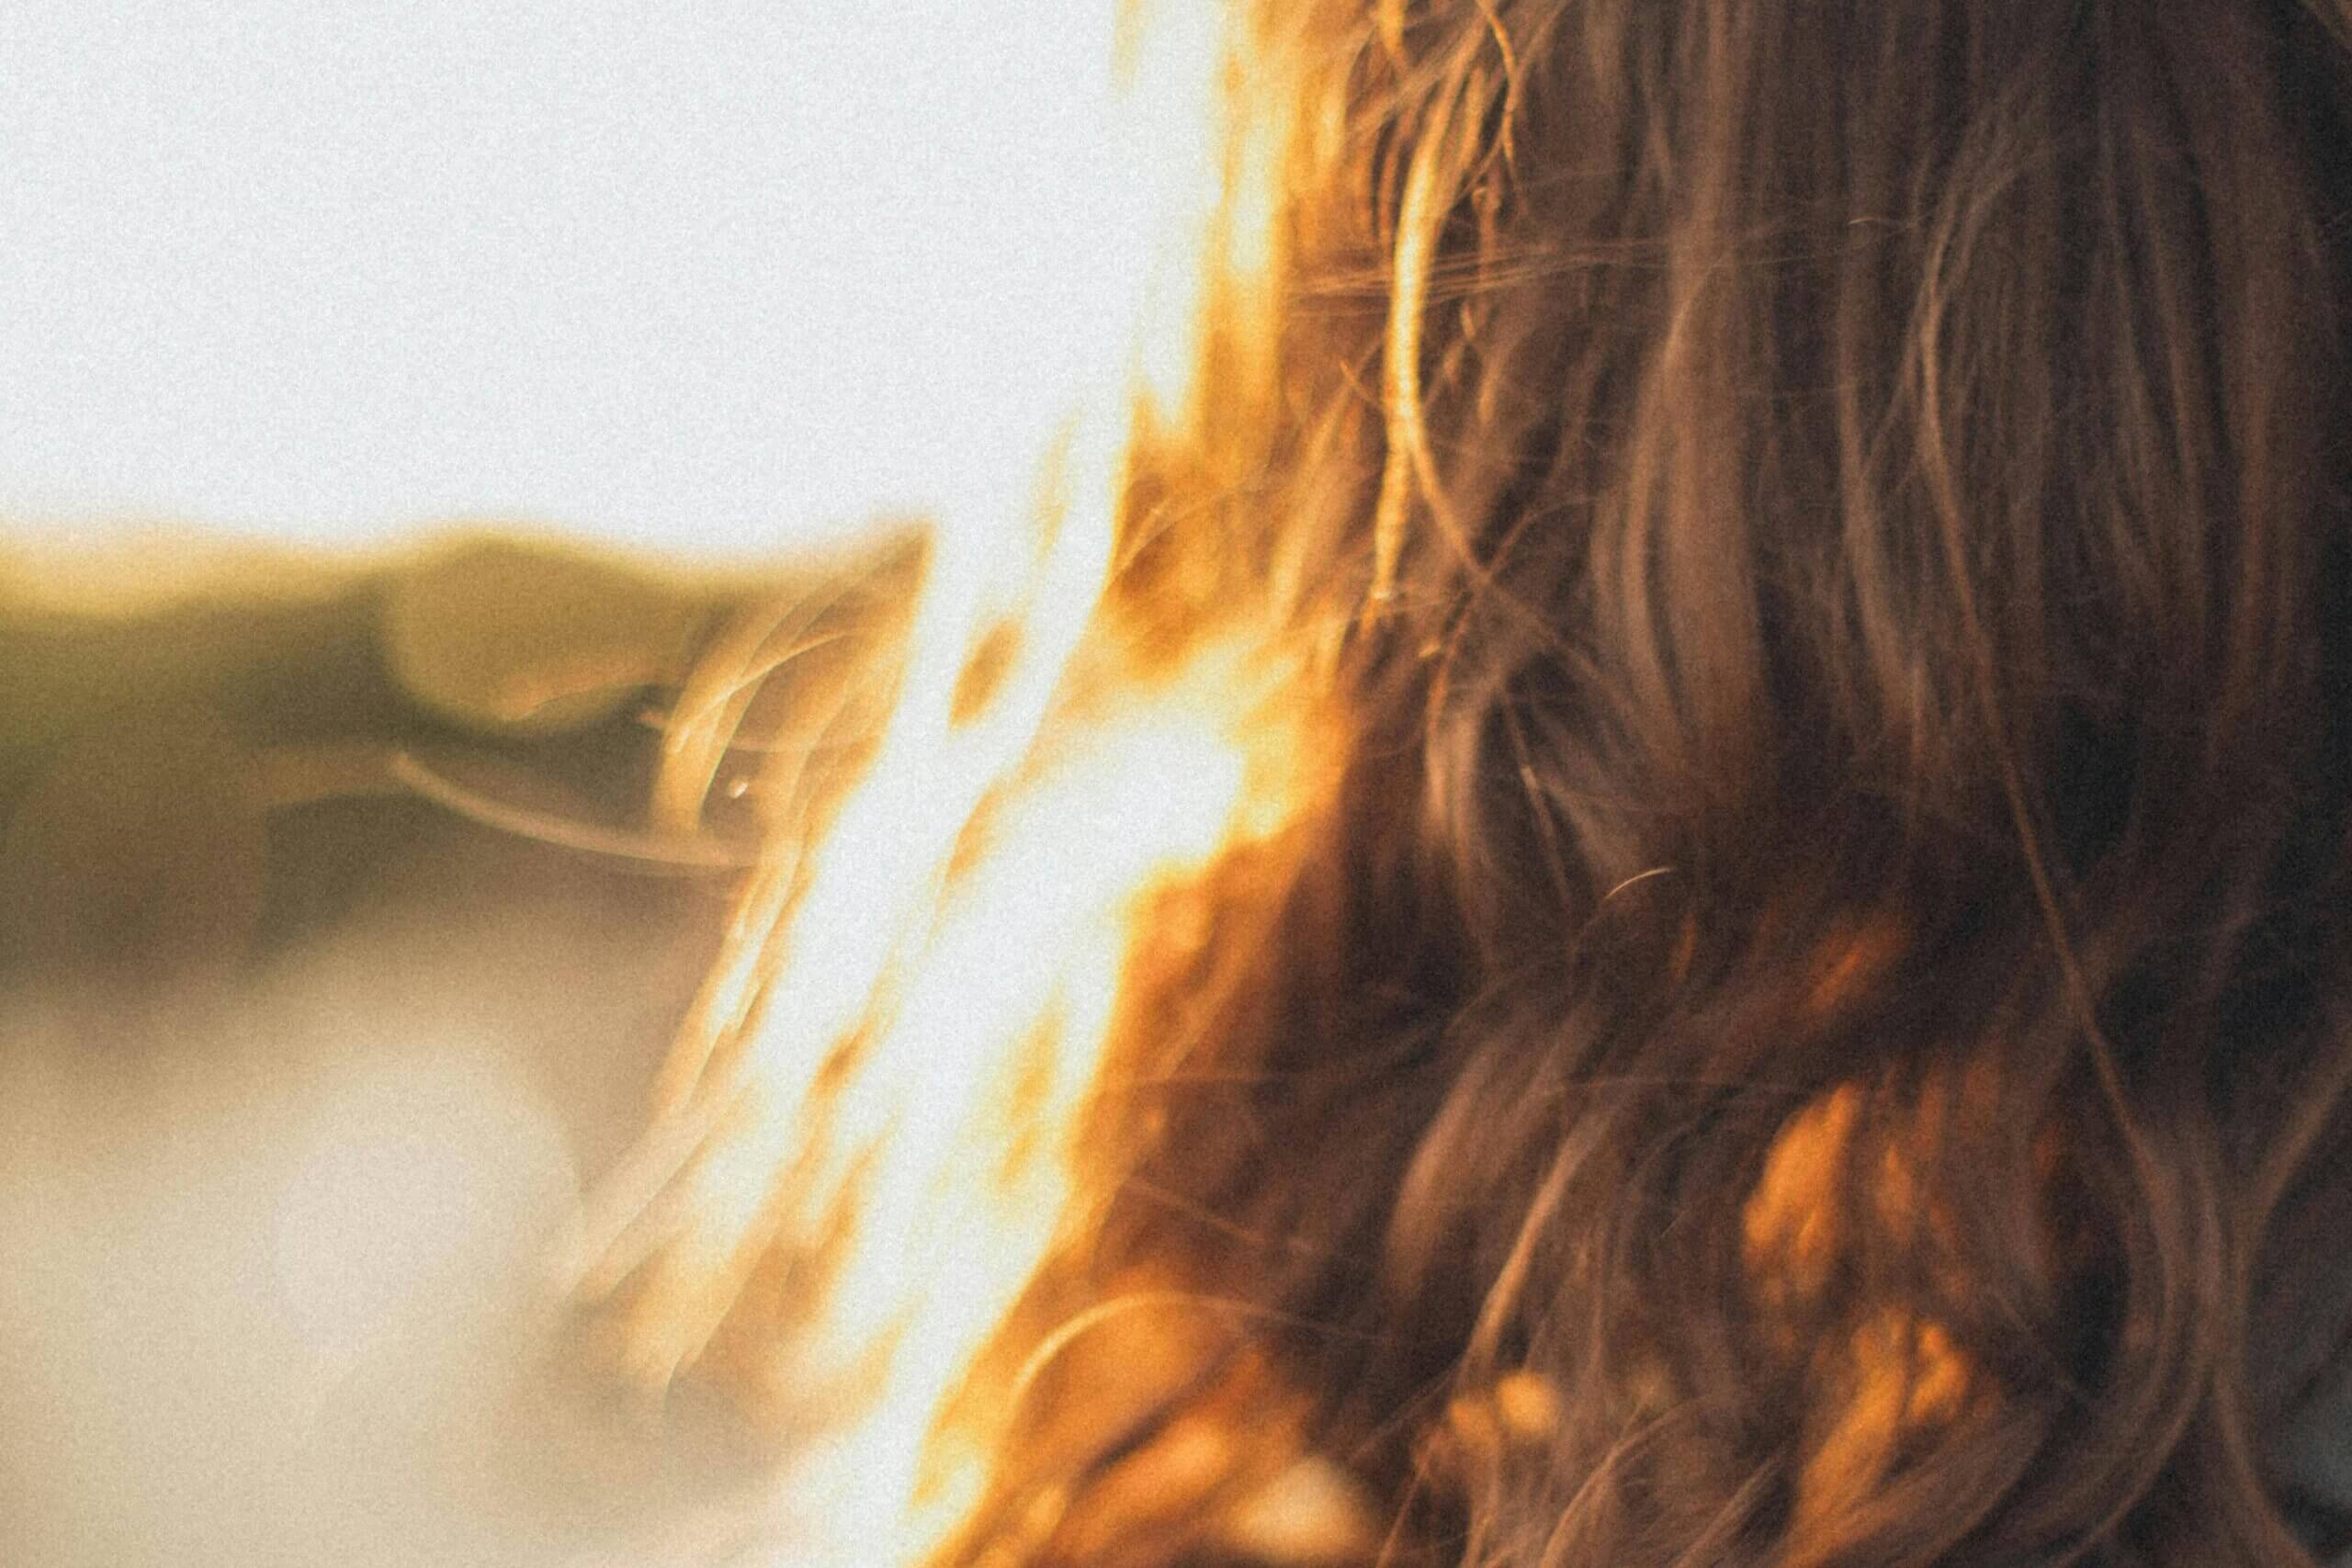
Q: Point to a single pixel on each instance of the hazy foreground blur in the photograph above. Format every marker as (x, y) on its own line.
(275, 1288)
(302, 1073)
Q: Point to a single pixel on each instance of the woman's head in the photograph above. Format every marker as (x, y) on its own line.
(1824, 527)
(1793, 1007)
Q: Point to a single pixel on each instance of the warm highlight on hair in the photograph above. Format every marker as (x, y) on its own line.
(1810, 1027)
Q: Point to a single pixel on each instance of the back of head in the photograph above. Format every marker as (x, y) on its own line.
(1811, 1025)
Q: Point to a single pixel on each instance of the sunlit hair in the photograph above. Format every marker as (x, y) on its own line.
(1796, 1011)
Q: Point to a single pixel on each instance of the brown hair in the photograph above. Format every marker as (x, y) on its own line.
(1810, 1025)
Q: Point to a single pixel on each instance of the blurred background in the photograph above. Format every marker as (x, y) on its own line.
(301, 1078)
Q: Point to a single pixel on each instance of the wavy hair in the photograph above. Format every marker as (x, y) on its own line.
(1811, 1026)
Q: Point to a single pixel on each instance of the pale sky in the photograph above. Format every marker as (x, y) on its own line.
(700, 277)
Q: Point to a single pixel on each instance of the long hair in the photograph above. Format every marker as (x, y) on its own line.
(1810, 1022)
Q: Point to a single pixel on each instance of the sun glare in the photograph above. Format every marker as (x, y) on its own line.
(872, 1099)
